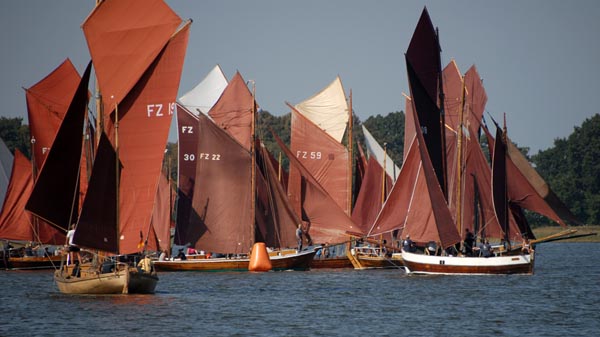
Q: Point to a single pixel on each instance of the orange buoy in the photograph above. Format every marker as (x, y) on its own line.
(259, 259)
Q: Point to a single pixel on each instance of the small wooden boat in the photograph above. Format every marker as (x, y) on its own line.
(284, 260)
(335, 262)
(108, 278)
(141, 282)
(373, 258)
(503, 264)
(90, 279)
(31, 262)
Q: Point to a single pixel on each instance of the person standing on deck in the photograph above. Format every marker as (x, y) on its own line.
(299, 237)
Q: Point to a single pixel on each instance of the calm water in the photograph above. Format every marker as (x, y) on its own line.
(562, 298)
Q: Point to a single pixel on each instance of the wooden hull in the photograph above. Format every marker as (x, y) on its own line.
(331, 263)
(299, 261)
(431, 264)
(32, 262)
(142, 282)
(368, 259)
(91, 282)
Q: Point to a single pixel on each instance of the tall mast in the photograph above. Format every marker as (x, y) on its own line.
(459, 170)
(383, 173)
(350, 145)
(117, 182)
(253, 168)
(99, 109)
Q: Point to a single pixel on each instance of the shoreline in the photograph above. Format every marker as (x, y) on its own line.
(541, 232)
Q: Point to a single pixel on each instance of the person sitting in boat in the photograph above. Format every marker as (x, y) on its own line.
(181, 255)
(145, 265)
(486, 249)
(408, 245)
(468, 243)
(526, 248)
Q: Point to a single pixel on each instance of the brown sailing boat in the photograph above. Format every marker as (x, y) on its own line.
(233, 192)
(47, 104)
(140, 83)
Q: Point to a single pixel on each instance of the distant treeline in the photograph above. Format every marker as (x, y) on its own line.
(571, 167)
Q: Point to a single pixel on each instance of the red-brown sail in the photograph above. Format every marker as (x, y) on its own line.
(424, 73)
(47, 104)
(233, 111)
(369, 200)
(499, 183)
(520, 190)
(15, 223)
(161, 218)
(56, 192)
(97, 227)
(222, 218)
(187, 130)
(327, 222)
(324, 157)
(124, 37)
(274, 211)
(144, 120)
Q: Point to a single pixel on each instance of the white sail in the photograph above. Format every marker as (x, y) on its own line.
(328, 109)
(375, 150)
(6, 161)
(206, 93)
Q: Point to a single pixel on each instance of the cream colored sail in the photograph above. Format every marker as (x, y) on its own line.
(375, 150)
(206, 93)
(328, 109)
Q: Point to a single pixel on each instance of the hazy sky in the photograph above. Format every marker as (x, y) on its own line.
(539, 59)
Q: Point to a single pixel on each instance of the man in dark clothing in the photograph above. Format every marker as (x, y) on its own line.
(469, 240)
(299, 237)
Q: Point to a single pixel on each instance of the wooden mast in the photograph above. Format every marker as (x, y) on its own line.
(459, 154)
(117, 182)
(350, 145)
(253, 168)
(383, 173)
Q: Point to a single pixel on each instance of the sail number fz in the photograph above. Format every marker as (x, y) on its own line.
(201, 156)
(316, 155)
(156, 110)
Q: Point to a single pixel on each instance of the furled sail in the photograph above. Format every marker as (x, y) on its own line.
(204, 95)
(47, 104)
(124, 38)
